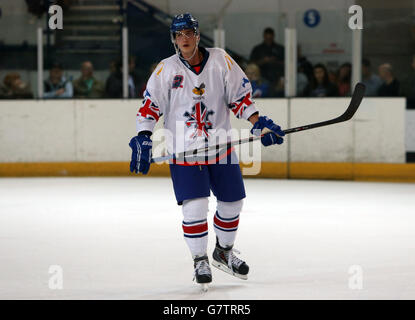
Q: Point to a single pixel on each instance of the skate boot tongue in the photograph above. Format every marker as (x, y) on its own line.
(233, 261)
(202, 266)
(202, 272)
(225, 260)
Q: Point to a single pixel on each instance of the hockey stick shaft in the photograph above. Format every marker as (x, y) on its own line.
(357, 97)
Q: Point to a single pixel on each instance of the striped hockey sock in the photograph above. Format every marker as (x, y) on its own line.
(225, 229)
(196, 236)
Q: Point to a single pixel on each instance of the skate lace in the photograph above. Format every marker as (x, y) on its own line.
(202, 267)
(232, 259)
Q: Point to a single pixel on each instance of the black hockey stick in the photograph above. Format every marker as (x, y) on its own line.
(357, 97)
(359, 91)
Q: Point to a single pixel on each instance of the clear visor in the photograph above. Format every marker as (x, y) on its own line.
(185, 34)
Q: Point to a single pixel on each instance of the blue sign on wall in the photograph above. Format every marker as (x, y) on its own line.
(311, 18)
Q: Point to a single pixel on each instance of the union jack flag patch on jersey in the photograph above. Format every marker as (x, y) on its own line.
(199, 120)
(239, 106)
(149, 110)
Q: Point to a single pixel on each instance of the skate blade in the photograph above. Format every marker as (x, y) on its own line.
(204, 287)
(225, 268)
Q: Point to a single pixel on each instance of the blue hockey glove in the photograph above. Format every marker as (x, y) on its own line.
(269, 138)
(141, 156)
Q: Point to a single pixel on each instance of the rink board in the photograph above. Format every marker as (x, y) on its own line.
(90, 138)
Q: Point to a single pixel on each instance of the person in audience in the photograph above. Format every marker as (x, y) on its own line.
(303, 65)
(260, 87)
(14, 87)
(134, 80)
(333, 75)
(114, 83)
(57, 86)
(369, 79)
(302, 83)
(87, 86)
(408, 87)
(390, 85)
(344, 79)
(320, 85)
(269, 56)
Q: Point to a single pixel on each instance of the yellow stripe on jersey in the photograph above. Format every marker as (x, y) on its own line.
(161, 68)
(228, 59)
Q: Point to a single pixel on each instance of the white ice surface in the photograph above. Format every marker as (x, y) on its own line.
(121, 238)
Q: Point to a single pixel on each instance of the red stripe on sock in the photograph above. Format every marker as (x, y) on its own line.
(226, 225)
(195, 229)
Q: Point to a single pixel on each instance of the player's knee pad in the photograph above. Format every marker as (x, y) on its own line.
(229, 209)
(195, 209)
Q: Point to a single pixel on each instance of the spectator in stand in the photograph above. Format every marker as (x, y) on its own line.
(343, 82)
(114, 86)
(269, 56)
(134, 80)
(302, 83)
(320, 85)
(87, 86)
(304, 66)
(390, 85)
(304, 72)
(333, 75)
(260, 87)
(57, 86)
(14, 87)
(369, 79)
(408, 87)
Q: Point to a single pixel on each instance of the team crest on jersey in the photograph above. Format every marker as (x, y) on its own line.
(199, 119)
(177, 82)
(199, 90)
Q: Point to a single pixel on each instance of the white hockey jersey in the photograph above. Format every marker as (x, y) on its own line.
(194, 105)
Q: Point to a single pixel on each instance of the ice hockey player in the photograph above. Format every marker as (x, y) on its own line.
(198, 88)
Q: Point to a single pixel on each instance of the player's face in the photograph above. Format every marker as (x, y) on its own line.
(186, 41)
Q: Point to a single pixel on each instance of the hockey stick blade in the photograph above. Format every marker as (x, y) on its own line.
(357, 97)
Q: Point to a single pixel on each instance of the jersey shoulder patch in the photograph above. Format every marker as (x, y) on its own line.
(164, 66)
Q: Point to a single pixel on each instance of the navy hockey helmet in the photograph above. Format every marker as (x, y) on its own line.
(181, 22)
